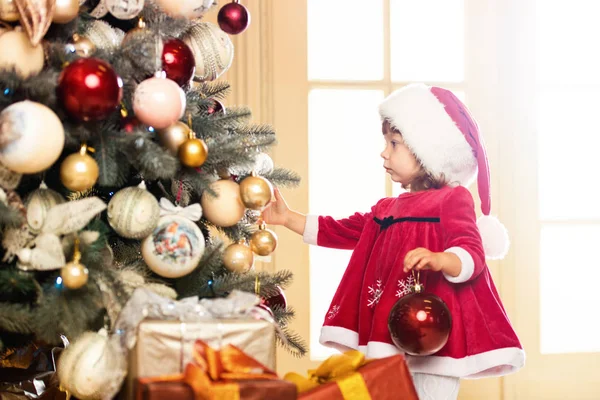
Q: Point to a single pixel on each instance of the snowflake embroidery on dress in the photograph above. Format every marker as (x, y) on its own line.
(375, 293)
(333, 312)
(405, 286)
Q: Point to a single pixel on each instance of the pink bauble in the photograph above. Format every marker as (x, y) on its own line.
(158, 102)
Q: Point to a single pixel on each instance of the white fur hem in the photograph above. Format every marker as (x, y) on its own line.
(467, 267)
(311, 229)
(430, 132)
(492, 363)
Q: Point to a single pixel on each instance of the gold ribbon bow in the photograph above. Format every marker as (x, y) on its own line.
(213, 373)
(339, 368)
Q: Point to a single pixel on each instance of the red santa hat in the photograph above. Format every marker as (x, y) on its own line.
(444, 137)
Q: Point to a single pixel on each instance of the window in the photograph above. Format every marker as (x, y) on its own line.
(359, 52)
(568, 98)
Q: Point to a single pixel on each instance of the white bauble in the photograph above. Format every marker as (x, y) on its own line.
(174, 248)
(133, 212)
(212, 48)
(103, 35)
(90, 367)
(38, 204)
(263, 165)
(31, 137)
(18, 53)
(186, 8)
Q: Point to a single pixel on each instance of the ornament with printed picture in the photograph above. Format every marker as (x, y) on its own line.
(92, 367)
(8, 11)
(89, 89)
(263, 241)
(65, 11)
(176, 245)
(133, 212)
(74, 275)
(81, 45)
(234, 18)
(212, 48)
(226, 209)
(19, 54)
(238, 257)
(178, 62)
(79, 171)
(419, 323)
(159, 102)
(38, 204)
(124, 9)
(36, 17)
(31, 137)
(173, 136)
(190, 9)
(256, 192)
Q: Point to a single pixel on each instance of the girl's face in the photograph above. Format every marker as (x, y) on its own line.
(398, 160)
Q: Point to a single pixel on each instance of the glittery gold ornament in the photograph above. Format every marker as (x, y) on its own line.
(256, 192)
(264, 241)
(65, 11)
(227, 208)
(174, 136)
(8, 11)
(238, 257)
(79, 171)
(36, 17)
(74, 275)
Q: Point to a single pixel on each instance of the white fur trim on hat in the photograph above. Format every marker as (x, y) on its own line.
(494, 237)
(415, 110)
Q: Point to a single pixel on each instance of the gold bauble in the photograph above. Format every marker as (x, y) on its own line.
(65, 11)
(256, 192)
(83, 46)
(8, 11)
(193, 152)
(140, 30)
(226, 209)
(74, 275)
(263, 242)
(238, 258)
(79, 172)
(174, 136)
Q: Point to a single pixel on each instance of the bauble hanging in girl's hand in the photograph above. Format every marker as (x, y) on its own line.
(89, 89)
(31, 137)
(256, 192)
(420, 323)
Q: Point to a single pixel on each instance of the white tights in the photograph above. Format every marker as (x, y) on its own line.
(436, 387)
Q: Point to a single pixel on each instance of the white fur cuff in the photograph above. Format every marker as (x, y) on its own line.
(311, 229)
(467, 268)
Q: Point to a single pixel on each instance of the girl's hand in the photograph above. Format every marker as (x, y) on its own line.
(277, 211)
(421, 258)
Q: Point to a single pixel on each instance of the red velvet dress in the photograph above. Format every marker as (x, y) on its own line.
(482, 341)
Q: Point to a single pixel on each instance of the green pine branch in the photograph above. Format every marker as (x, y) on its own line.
(9, 217)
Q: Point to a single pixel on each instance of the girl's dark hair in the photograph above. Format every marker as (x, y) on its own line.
(424, 180)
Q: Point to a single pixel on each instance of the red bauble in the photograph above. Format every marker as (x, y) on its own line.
(277, 301)
(215, 107)
(128, 124)
(267, 309)
(233, 18)
(89, 89)
(419, 324)
(178, 61)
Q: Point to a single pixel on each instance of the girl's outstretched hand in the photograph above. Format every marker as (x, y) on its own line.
(277, 211)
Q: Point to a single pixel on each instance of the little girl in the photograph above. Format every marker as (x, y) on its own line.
(434, 149)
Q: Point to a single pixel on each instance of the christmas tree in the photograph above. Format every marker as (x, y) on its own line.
(121, 168)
